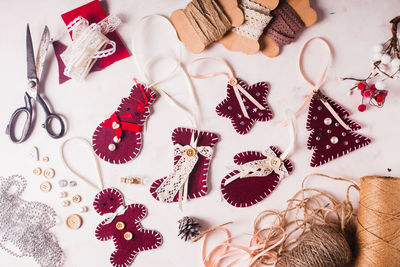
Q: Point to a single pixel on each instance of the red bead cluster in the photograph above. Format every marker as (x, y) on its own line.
(376, 97)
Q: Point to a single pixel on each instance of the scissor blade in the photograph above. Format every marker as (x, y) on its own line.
(41, 55)
(30, 56)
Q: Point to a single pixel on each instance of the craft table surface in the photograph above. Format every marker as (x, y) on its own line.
(352, 28)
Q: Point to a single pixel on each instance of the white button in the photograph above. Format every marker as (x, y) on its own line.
(116, 139)
(112, 147)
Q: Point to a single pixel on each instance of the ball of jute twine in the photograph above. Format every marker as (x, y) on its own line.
(378, 222)
(317, 227)
(323, 246)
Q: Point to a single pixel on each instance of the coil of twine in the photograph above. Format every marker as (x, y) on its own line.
(208, 20)
(378, 222)
(322, 246)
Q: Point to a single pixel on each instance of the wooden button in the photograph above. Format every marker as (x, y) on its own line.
(74, 221)
(120, 225)
(233, 81)
(49, 173)
(45, 186)
(128, 235)
(76, 199)
(275, 162)
(37, 171)
(190, 152)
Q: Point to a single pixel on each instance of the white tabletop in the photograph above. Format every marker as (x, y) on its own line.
(352, 28)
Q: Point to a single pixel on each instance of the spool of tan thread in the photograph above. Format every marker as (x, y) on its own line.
(378, 222)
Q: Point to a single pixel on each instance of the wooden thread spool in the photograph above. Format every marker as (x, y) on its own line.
(378, 222)
(189, 33)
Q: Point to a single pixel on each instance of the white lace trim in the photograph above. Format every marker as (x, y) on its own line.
(259, 168)
(88, 45)
(256, 19)
(176, 181)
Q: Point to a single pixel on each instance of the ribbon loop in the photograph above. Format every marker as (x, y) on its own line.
(232, 81)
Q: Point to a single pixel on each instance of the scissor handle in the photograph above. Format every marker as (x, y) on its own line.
(49, 118)
(28, 122)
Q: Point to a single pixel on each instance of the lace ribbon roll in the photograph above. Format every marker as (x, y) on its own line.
(256, 19)
(89, 44)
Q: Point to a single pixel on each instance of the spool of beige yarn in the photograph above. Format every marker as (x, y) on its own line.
(378, 222)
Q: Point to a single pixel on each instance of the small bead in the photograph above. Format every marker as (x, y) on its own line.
(229, 107)
(319, 108)
(260, 114)
(317, 138)
(334, 140)
(258, 94)
(361, 86)
(111, 147)
(83, 209)
(116, 139)
(327, 121)
(315, 117)
(328, 146)
(344, 134)
(345, 143)
(357, 141)
(329, 131)
(62, 183)
(242, 123)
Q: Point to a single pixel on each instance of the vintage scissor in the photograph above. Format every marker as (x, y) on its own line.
(34, 74)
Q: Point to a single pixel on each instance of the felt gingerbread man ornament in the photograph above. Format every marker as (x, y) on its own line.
(257, 174)
(123, 226)
(244, 104)
(332, 134)
(119, 138)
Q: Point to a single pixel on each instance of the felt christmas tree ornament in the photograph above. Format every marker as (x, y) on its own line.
(118, 139)
(332, 134)
(244, 104)
(257, 174)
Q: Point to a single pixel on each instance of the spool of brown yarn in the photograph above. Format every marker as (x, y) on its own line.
(378, 222)
(322, 246)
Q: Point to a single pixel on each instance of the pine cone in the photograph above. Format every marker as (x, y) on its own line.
(188, 228)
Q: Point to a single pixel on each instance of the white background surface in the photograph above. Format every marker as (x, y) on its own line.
(352, 28)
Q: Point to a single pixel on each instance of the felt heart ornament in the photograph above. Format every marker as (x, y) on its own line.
(191, 165)
(122, 225)
(255, 177)
(331, 132)
(239, 107)
(119, 138)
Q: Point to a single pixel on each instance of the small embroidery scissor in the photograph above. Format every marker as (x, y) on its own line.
(34, 73)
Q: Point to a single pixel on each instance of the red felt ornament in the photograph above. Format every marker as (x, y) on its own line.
(332, 134)
(244, 104)
(119, 138)
(123, 226)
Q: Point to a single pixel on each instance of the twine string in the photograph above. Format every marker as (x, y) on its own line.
(207, 19)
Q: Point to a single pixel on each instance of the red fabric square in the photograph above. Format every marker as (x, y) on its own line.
(94, 13)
